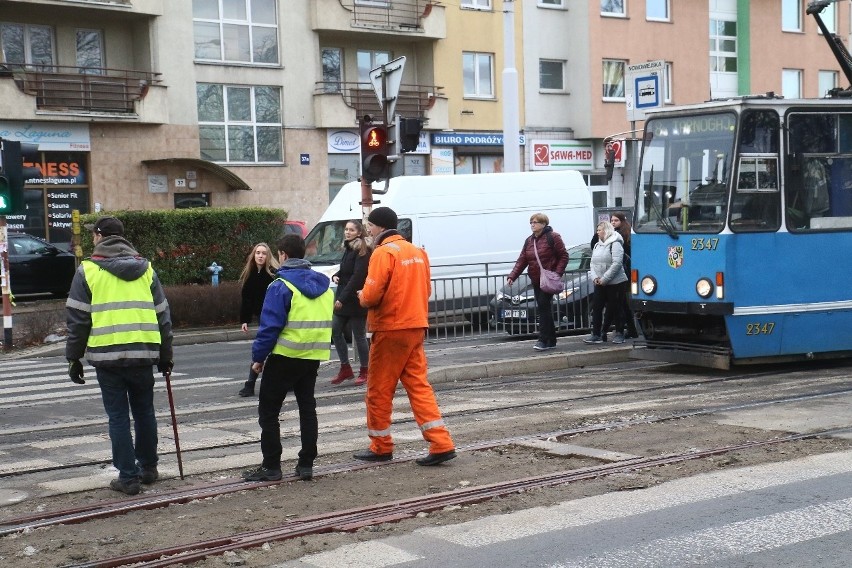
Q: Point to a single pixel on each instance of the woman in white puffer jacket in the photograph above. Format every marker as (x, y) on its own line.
(607, 271)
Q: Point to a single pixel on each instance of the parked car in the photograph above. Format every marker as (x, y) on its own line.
(38, 267)
(296, 227)
(514, 308)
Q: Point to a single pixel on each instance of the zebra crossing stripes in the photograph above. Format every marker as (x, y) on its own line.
(818, 511)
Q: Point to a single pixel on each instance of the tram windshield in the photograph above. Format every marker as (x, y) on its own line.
(684, 178)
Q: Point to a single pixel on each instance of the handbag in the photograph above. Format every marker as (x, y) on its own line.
(550, 282)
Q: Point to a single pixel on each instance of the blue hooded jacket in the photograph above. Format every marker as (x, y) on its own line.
(276, 304)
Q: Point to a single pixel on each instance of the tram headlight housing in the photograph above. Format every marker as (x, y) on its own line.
(704, 287)
(649, 285)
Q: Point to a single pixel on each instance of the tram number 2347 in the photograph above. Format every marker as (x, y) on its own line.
(760, 328)
(705, 244)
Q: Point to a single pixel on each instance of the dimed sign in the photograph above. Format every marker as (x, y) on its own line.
(561, 154)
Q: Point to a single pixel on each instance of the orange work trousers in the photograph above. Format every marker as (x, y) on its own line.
(395, 356)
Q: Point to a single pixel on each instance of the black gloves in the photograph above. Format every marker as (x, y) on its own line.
(165, 366)
(75, 371)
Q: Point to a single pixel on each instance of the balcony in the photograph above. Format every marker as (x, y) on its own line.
(149, 7)
(339, 105)
(410, 19)
(78, 90)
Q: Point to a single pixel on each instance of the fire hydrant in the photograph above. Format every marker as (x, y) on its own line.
(215, 269)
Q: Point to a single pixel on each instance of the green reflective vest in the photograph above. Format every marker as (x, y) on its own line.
(124, 318)
(307, 334)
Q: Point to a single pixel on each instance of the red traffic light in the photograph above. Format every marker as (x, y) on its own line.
(374, 152)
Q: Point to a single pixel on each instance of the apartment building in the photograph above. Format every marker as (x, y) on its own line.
(710, 49)
(157, 104)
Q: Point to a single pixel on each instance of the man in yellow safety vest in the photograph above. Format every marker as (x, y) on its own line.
(293, 336)
(118, 317)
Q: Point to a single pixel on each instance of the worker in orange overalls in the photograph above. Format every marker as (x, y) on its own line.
(397, 293)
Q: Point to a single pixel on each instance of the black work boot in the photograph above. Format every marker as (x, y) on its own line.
(247, 390)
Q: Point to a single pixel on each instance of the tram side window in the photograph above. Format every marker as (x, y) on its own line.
(819, 182)
(757, 202)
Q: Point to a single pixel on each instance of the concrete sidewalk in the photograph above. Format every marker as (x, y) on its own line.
(449, 360)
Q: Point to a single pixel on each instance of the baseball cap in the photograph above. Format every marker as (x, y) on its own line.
(106, 226)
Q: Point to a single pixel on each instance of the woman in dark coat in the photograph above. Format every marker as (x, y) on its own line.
(554, 256)
(347, 309)
(258, 273)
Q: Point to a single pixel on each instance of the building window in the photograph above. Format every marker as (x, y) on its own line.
(29, 45)
(476, 4)
(827, 81)
(551, 3)
(239, 124)
(613, 8)
(829, 18)
(551, 75)
(657, 10)
(369, 60)
(791, 15)
(791, 83)
(723, 46)
(332, 71)
(613, 79)
(477, 71)
(667, 96)
(238, 31)
(90, 52)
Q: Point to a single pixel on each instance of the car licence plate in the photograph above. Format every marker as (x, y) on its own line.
(515, 314)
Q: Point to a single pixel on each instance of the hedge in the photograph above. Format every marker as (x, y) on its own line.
(182, 243)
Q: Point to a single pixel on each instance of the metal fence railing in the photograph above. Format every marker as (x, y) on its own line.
(468, 306)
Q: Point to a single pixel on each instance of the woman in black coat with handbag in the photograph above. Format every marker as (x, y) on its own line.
(257, 275)
(543, 249)
(347, 309)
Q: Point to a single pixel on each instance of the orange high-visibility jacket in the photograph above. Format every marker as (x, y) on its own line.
(398, 286)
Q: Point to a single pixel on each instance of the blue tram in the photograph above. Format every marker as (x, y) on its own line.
(743, 224)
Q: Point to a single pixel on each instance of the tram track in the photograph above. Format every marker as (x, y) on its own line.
(448, 415)
(394, 511)
(124, 506)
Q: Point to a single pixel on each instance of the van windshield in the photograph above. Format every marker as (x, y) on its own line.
(324, 244)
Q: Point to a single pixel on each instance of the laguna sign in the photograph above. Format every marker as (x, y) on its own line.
(561, 154)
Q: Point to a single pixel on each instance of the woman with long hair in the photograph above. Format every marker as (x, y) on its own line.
(258, 273)
(347, 309)
(622, 225)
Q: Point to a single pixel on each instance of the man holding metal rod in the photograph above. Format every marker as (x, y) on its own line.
(118, 317)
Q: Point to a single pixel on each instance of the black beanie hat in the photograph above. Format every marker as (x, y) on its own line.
(383, 217)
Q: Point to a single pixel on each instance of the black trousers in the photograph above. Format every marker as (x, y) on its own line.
(610, 296)
(280, 376)
(546, 327)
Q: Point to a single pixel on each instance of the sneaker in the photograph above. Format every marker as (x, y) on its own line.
(618, 338)
(593, 339)
(262, 474)
(149, 474)
(344, 373)
(126, 486)
(540, 346)
(304, 472)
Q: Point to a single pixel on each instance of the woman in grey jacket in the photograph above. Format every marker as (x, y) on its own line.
(608, 275)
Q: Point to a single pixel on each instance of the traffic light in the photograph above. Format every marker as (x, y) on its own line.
(409, 133)
(374, 151)
(13, 173)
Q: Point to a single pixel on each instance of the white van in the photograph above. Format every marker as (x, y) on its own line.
(470, 225)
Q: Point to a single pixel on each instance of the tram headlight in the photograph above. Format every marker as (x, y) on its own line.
(649, 285)
(704, 287)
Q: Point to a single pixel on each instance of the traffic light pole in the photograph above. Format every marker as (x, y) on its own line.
(7, 287)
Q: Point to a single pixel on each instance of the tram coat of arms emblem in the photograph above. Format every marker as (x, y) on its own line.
(675, 257)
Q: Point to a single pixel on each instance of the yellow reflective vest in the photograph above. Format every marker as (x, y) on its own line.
(307, 334)
(124, 318)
